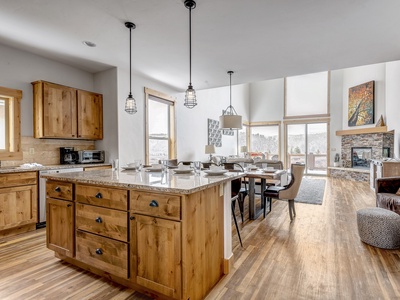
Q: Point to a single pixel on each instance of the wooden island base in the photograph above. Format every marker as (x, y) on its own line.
(166, 245)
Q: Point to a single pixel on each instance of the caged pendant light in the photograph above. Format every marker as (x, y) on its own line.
(190, 95)
(130, 103)
(230, 119)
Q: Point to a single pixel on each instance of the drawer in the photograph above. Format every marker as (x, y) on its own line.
(59, 190)
(105, 254)
(158, 205)
(103, 221)
(101, 196)
(18, 179)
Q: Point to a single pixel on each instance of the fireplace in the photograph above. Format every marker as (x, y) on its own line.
(361, 157)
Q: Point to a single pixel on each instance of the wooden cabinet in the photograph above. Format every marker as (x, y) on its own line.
(102, 228)
(65, 112)
(156, 254)
(18, 203)
(60, 229)
(156, 259)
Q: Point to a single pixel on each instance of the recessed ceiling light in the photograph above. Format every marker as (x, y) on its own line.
(89, 44)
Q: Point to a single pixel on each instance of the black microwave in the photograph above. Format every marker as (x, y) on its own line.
(90, 156)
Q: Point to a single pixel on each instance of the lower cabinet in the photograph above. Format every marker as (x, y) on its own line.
(60, 229)
(156, 254)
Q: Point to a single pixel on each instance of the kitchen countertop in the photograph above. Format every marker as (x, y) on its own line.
(149, 181)
(4, 170)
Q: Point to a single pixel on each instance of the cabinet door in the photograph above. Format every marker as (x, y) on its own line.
(60, 226)
(156, 254)
(59, 111)
(90, 115)
(18, 206)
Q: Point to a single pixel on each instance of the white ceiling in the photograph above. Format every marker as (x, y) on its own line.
(258, 39)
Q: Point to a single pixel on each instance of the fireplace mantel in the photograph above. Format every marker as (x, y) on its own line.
(380, 129)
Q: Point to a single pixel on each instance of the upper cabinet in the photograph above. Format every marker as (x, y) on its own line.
(66, 113)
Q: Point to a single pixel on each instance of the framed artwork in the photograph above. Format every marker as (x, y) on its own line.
(227, 132)
(214, 133)
(361, 104)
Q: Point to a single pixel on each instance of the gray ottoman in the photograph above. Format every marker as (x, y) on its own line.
(379, 227)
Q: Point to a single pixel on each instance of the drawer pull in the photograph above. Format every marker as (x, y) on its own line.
(69, 205)
(99, 220)
(99, 195)
(99, 251)
(57, 189)
(153, 203)
(132, 217)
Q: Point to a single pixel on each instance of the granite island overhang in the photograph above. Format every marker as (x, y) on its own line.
(167, 235)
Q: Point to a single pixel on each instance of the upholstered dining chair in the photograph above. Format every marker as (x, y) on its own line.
(288, 192)
(243, 191)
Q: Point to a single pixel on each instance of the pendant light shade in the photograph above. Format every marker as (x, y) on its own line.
(130, 102)
(190, 95)
(230, 119)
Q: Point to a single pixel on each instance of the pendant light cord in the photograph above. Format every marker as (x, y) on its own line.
(230, 90)
(190, 46)
(130, 61)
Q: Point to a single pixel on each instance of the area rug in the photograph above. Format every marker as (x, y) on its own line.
(311, 191)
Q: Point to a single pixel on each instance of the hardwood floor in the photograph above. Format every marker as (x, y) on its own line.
(317, 256)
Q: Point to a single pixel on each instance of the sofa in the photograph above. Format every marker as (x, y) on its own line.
(385, 189)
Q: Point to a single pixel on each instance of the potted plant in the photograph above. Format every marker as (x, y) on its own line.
(337, 159)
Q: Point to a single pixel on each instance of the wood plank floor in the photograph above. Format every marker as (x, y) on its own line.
(317, 256)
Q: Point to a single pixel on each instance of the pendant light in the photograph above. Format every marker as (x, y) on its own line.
(230, 119)
(190, 95)
(130, 103)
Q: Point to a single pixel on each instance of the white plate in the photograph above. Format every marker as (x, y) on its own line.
(215, 172)
(178, 171)
(269, 171)
(154, 169)
(129, 168)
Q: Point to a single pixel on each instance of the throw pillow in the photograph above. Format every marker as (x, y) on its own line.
(398, 192)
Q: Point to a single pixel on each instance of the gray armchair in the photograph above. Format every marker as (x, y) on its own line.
(385, 189)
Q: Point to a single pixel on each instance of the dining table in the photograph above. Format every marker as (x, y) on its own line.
(267, 177)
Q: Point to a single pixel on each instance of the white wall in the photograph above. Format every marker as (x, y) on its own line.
(336, 109)
(19, 68)
(106, 83)
(393, 102)
(131, 128)
(192, 128)
(355, 76)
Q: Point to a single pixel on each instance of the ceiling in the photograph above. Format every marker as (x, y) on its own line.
(258, 39)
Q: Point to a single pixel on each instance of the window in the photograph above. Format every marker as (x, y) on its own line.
(160, 126)
(307, 95)
(265, 139)
(242, 140)
(10, 137)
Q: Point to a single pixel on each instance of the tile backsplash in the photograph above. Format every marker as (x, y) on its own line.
(45, 151)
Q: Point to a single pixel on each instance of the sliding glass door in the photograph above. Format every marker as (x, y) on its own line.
(308, 144)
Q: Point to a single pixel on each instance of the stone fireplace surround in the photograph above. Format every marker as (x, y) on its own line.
(377, 141)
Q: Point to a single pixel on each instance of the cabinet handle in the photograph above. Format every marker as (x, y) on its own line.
(99, 195)
(69, 205)
(99, 251)
(153, 203)
(57, 189)
(132, 218)
(99, 220)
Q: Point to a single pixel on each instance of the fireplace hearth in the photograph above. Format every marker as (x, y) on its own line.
(361, 157)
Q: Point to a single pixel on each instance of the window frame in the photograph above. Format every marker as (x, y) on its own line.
(172, 128)
(13, 138)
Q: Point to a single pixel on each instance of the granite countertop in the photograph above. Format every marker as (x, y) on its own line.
(4, 170)
(148, 181)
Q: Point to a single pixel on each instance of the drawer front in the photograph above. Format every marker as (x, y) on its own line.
(103, 253)
(157, 205)
(101, 196)
(59, 190)
(18, 179)
(103, 221)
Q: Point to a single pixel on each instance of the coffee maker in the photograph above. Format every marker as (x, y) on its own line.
(68, 155)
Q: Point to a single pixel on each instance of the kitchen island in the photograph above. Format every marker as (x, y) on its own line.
(163, 234)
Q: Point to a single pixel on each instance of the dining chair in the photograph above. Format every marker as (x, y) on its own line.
(288, 192)
(236, 185)
(243, 191)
